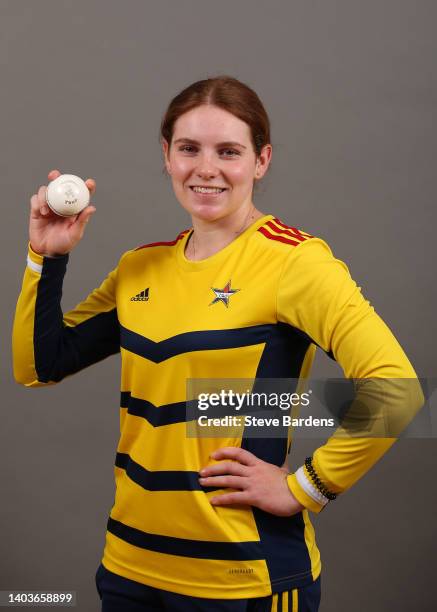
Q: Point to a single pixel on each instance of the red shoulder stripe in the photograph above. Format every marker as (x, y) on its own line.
(169, 243)
(294, 230)
(267, 234)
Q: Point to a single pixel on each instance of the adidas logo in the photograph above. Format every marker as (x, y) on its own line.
(143, 296)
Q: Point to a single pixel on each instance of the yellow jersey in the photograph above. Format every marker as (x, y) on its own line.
(257, 308)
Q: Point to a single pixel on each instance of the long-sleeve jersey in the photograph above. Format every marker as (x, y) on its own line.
(257, 308)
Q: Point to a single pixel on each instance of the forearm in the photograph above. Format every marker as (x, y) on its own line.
(38, 319)
(47, 345)
(387, 392)
(380, 411)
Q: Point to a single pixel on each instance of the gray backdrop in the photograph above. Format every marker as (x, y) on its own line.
(351, 91)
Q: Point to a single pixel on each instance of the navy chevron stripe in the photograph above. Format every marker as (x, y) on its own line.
(193, 341)
(198, 549)
(283, 538)
(160, 480)
(155, 415)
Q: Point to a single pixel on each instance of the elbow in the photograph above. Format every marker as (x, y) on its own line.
(27, 377)
(419, 396)
(25, 381)
(32, 382)
(412, 400)
(414, 394)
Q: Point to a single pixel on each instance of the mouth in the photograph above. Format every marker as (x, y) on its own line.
(210, 191)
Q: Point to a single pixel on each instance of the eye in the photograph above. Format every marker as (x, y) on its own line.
(185, 147)
(192, 149)
(230, 152)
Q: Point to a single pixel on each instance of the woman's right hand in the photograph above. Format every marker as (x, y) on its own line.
(51, 234)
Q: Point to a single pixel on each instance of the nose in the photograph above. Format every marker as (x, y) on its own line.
(206, 168)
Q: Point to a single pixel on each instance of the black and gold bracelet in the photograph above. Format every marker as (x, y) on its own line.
(316, 480)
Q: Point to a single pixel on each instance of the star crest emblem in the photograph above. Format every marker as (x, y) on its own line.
(223, 295)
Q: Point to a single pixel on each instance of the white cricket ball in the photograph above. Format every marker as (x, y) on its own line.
(67, 195)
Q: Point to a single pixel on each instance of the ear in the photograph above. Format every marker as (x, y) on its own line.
(165, 151)
(263, 161)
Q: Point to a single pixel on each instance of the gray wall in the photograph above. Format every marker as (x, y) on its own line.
(351, 91)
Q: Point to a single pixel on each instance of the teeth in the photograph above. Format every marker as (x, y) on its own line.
(207, 189)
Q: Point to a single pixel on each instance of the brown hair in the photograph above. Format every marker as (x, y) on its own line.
(227, 93)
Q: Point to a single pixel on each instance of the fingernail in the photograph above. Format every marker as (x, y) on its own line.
(202, 472)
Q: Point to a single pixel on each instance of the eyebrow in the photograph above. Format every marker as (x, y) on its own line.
(228, 143)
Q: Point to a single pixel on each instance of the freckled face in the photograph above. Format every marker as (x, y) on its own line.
(211, 147)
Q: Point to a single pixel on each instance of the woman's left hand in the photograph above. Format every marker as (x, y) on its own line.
(260, 484)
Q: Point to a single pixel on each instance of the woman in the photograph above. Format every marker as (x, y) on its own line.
(206, 523)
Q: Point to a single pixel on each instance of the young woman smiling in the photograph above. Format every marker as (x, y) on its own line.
(213, 167)
(203, 523)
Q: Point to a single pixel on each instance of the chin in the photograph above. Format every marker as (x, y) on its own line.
(207, 212)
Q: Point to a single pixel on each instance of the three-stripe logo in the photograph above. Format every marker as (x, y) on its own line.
(142, 296)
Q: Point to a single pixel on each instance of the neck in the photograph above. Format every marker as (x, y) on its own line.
(209, 237)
